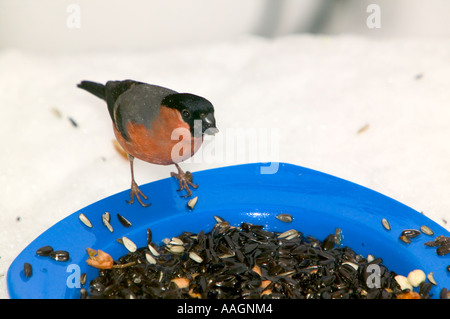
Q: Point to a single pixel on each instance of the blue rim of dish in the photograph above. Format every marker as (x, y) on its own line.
(318, 202)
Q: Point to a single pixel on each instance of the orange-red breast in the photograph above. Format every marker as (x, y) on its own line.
(144, 119)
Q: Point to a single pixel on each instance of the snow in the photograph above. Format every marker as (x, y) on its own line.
(372, 112)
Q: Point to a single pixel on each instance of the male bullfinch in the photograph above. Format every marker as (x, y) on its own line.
(144, 117)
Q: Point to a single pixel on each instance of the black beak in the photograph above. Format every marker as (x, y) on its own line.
(209, 125)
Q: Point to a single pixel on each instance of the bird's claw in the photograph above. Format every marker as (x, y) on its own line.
(136, 192)
(184, 180)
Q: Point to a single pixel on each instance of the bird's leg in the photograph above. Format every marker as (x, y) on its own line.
(184, 180)
(135, 191)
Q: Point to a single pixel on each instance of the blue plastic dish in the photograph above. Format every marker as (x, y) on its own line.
(318, 202)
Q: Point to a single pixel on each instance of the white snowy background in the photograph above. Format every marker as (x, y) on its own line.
(367, 105)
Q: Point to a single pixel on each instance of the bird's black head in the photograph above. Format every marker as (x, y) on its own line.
(195, 111)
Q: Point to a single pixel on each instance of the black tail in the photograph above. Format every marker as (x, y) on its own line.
(97, 89)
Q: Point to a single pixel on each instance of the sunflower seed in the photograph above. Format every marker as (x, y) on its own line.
(85, 220)
(149, 236)
(44, 251)
(328, 242)
(416, 277)
(192, 202)
(129, 244)
(125, 222)
(426, 230)
(288, 233)
(240, 262)
(59, 255)
(444, 293)
(153, 250)
(425, 288)
(151, 260)
(287, 273)
(83, 293)
(27, 269)
(410, 233)
(403, 282)
(106, 217)
(195, 257)
(227, 255)
(386, 224)
(284, 218)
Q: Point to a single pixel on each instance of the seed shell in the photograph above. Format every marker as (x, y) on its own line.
(426, 230)
(125, 222)
(284, 218)
(386, 224)
(85, 220)
(176, 241)
(192, 202)
(149, 236)
(219, 219)
(59, 255)
(27, 269)
(151, 260)
(430, 277)
(292, 236)
(195, 257)
(106, 218)
(153, 250)
(242, 262)
(83, 278)
(338, 236)
(44, 251)
(176, 249)
(131, 246)
(288, 233)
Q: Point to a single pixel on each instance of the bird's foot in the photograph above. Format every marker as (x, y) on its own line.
(184, 180)
(136, 192)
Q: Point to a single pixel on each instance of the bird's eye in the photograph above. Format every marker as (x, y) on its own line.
(186, 114)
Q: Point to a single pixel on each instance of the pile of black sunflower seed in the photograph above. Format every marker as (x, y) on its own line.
(245, 262)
